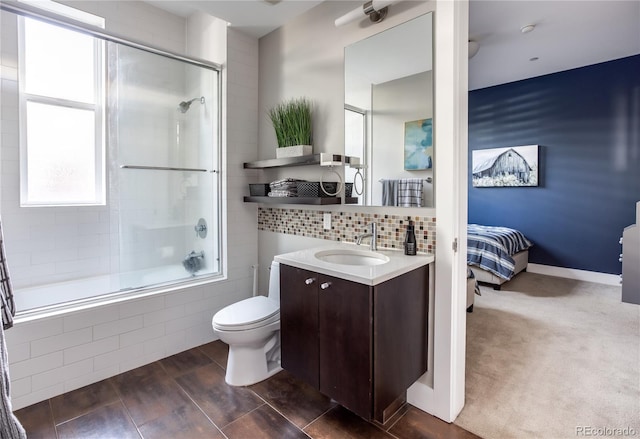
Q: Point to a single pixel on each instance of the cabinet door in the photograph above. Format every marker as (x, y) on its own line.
(345, 343)
(400, 337)
(299, 323)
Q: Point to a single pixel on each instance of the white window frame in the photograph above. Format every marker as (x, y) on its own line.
(97, 107)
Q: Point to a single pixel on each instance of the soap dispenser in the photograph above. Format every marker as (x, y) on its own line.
(410, 244)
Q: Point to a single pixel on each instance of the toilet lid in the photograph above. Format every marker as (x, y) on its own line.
(248, 312)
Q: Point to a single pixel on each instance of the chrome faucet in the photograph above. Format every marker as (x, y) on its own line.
(373, 235)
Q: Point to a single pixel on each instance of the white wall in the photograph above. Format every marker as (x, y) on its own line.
(305, 58)
(60, 353)
(394, 103)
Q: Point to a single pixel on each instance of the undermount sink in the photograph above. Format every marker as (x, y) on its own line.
(351, 257)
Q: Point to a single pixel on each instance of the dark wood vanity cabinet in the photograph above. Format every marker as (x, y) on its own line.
(361, 345)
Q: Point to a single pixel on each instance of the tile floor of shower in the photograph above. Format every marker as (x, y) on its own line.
(185, 396)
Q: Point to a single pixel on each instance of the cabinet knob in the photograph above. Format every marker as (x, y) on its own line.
(309, 281)
(325, 285)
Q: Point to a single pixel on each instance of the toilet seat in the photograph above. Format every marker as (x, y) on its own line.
(247, 314)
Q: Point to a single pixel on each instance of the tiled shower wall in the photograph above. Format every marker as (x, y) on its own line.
(346, 226)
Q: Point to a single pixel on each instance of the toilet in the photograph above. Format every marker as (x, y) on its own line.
(251, 328)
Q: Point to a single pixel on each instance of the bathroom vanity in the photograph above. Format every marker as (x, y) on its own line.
(355, 326)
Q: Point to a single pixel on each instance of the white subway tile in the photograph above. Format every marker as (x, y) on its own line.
(119, 327)
(59, 342)
(20, 387)
(141, 306)
(22, 369)
(95, 316)
(61, 374)
(183, 296)
(19, 352)
(89, 350)
(26, 332)
(141, 335)
(114, 358)
(163, 315)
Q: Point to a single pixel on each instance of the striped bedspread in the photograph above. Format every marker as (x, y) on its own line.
(490, 248)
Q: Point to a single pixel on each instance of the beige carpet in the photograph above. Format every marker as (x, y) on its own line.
(549, 357)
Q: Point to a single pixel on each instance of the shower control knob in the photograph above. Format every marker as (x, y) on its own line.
(309, 281)
(201, 228)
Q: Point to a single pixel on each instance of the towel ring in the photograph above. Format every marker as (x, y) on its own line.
(338, 189)
(355, 179)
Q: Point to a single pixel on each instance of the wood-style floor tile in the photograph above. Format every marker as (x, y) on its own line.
(149, 393)
(108, 422)
(341, 423)
(37, 420)
(416, 424)
(263, 423)
(78, 402)
(218, 351)
(221, 402)
(185, 362)
(296, 400)
(186, 422)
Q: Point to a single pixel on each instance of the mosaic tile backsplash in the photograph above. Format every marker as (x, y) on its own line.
(346, 226)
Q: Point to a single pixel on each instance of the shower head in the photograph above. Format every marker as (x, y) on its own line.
(183, 107)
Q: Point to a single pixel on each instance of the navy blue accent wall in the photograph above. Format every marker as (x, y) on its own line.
(587, 123)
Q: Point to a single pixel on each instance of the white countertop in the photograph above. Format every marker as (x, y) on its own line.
(398, 264)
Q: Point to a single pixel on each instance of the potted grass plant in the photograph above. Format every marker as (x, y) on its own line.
(292, 123)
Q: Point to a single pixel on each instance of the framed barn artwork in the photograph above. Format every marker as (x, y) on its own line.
(513, 166)
(418, 145)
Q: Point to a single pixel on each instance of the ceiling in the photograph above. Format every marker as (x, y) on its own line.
(568, 33)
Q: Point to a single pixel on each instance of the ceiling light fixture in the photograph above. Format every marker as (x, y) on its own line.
(376, 10)
(527, 28)
(473, 48)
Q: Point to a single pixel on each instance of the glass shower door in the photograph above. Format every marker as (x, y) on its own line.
(163, 146)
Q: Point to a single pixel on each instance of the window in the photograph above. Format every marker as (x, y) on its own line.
(61, 116)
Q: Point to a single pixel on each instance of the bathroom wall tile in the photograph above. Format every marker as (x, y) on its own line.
(141, 335)
(21, 387)
(142, 306)
(163, 315)
(59, 342)
(121, 326)
(346, 226)
(20, 352)
(184, 296)
(33, 366)
(61, 374)
(89, 350)
(26, 332)
(116, 357)
(91, 317)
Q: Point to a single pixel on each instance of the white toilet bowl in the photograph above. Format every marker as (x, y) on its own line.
(251, 328)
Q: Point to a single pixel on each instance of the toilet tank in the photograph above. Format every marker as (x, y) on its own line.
(274, 281)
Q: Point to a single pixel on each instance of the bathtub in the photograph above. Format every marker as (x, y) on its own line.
(93, 289)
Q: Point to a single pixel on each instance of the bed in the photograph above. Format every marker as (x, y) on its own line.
(496, 254)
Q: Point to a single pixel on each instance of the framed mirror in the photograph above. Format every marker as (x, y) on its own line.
(388, 112)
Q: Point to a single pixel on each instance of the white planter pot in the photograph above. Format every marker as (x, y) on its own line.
(294, 151)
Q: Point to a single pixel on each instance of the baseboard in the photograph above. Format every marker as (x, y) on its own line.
(572, 273)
